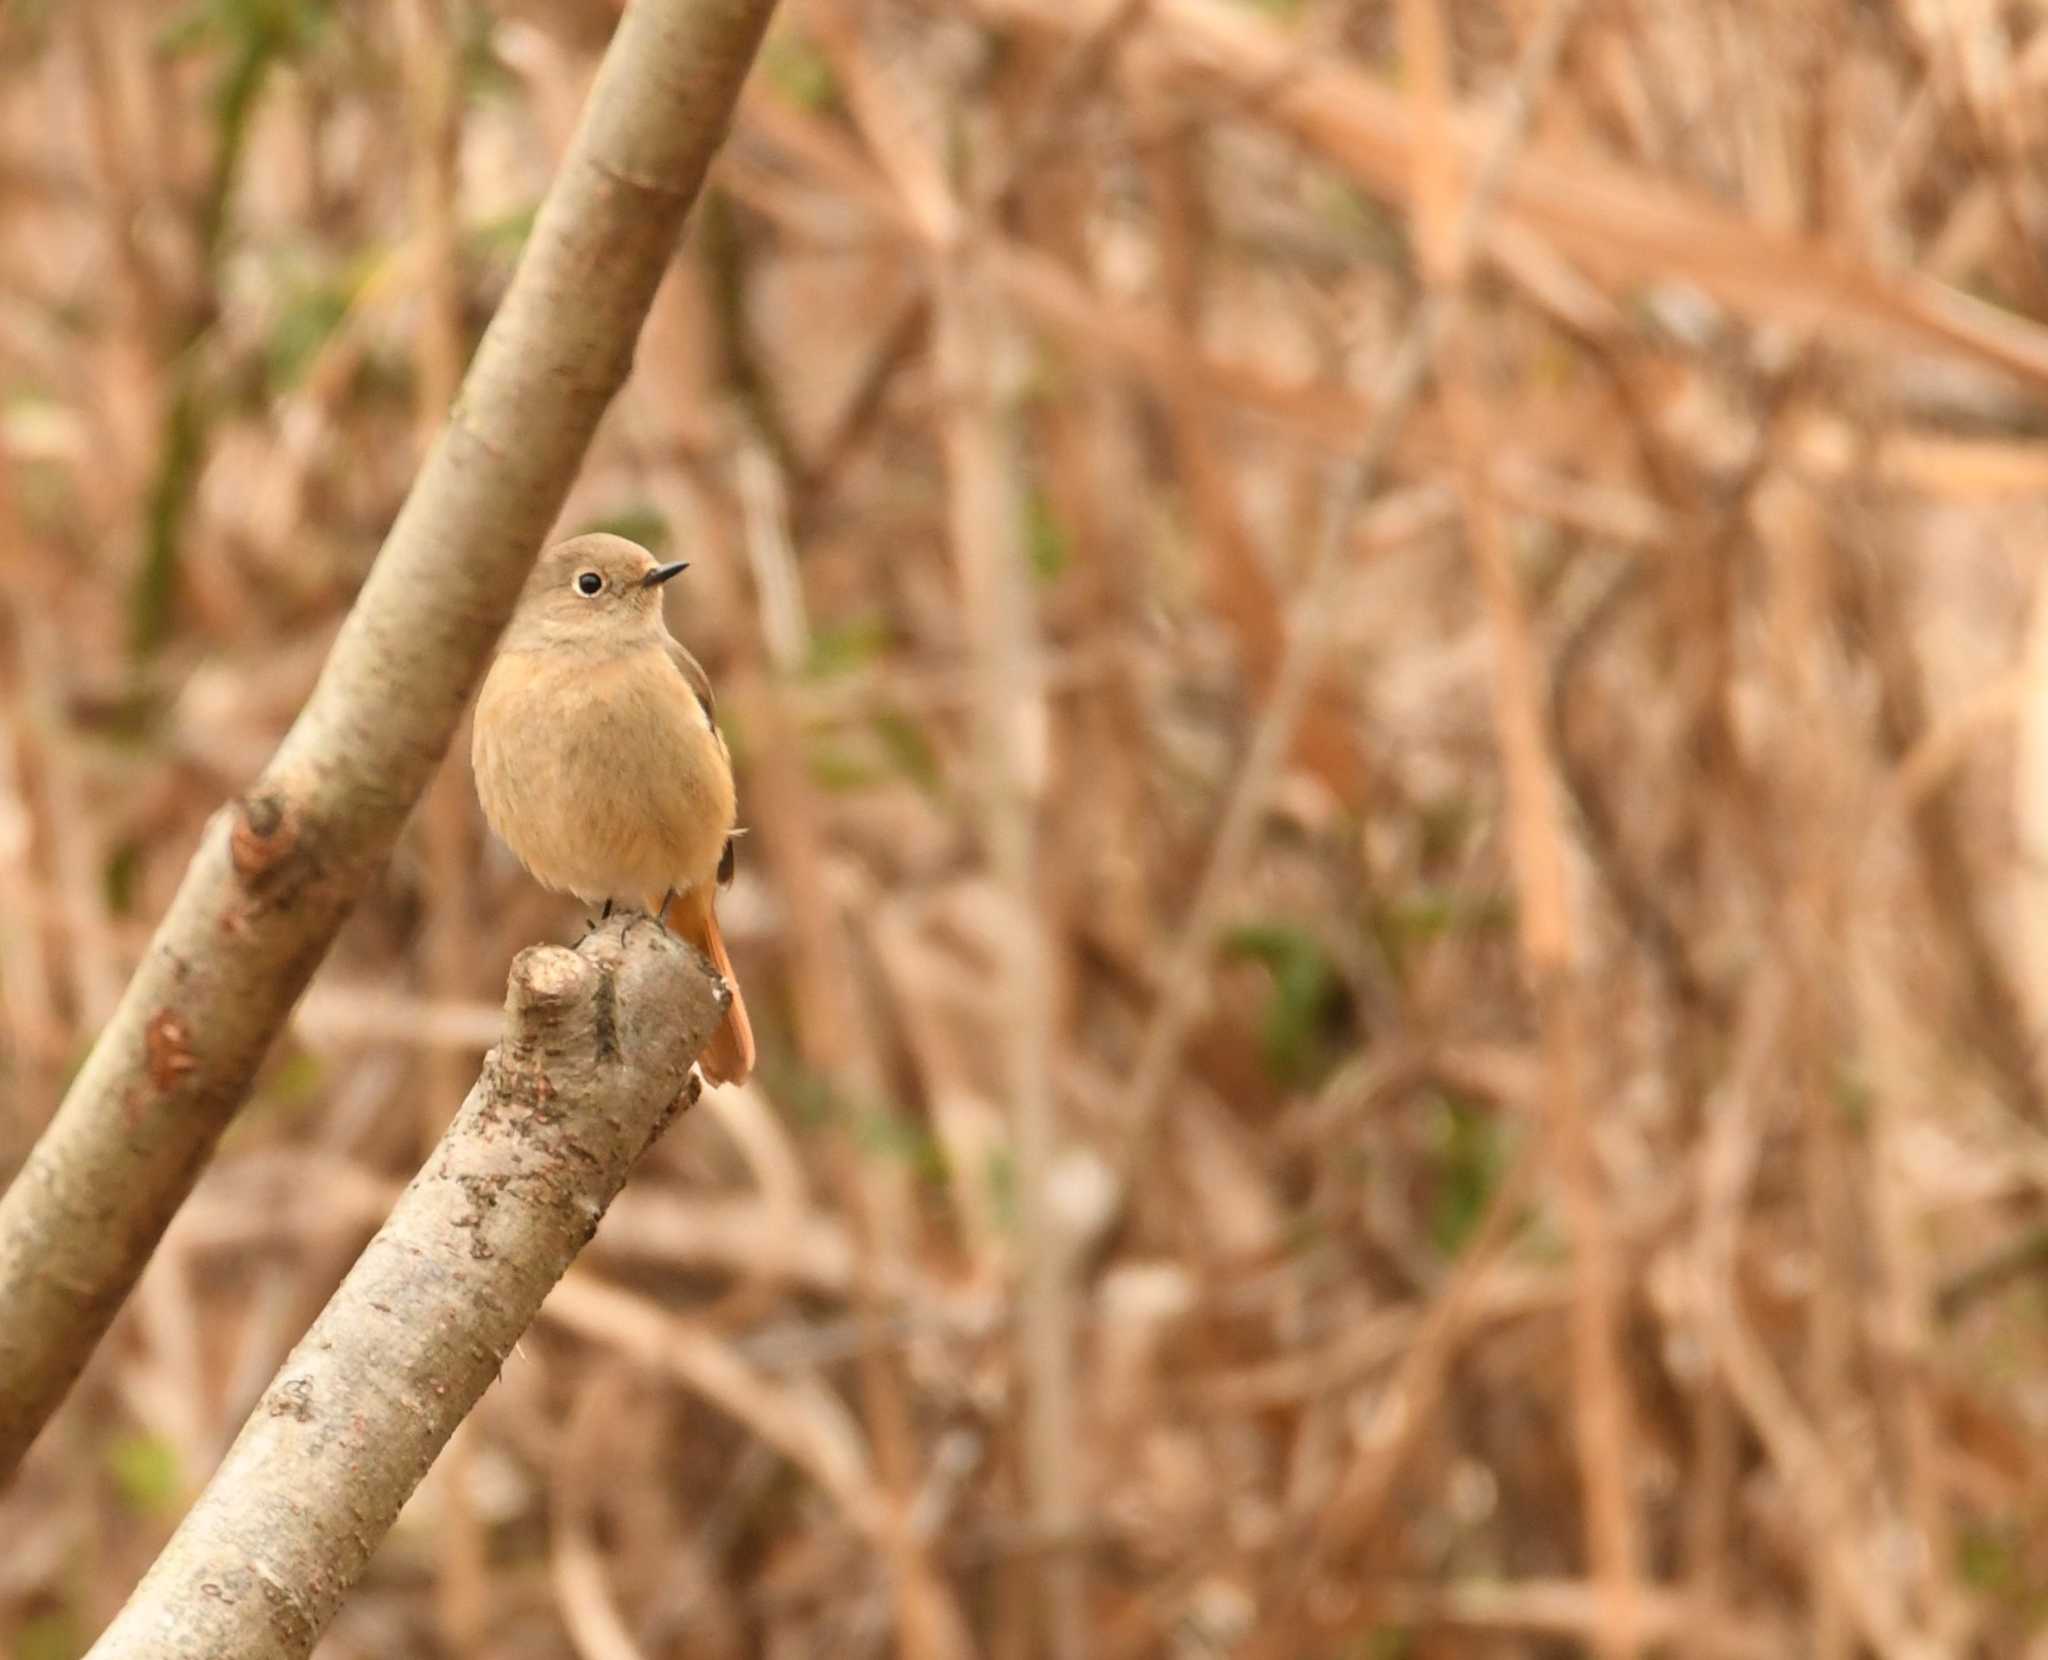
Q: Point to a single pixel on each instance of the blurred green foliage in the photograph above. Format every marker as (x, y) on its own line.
(306, 319)
(876, 1128)
(799, 71)
(1046, 542)
(1470, 1157)
(55, 1634)
(252, 37)
(146, 1474)
(846, 645)
(1403, 926)
(1298, 1026)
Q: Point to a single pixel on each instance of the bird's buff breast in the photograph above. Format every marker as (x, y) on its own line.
(604, 778)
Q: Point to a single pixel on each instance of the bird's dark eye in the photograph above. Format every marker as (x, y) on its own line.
(589, 583)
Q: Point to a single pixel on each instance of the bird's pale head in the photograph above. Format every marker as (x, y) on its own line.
(598, 592)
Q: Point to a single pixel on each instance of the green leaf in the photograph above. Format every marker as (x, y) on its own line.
(145, 1470)
(909, 749)
(297, 1080)
(1001, 1176)
(816, 1102)
(504, 236)
(1990, 1561)
(1377, 234)
(837, 770)
(1402, 926)
(1046, 541)
(117, 878)
(732, 727)
(484, 74)
(52, 1635)
(810, 1096)
(1307, 998)
(841, 647)
(900, 1138)
(1383, 1642)
(799, 71)
(1444, 827)
(1470, 1159)
(304, 323)
(1854, 1097)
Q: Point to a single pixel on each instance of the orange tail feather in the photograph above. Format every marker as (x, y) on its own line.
(729, 1057)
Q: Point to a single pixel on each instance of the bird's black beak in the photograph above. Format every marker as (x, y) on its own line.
(661, 573)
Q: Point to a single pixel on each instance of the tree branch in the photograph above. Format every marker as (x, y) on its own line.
(280, 868)
(594, 1064)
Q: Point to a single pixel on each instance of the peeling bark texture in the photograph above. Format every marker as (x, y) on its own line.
(594, 1064)
(279, 868)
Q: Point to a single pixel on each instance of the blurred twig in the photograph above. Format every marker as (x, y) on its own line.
(258, 38)
(1010, 726)
(433, 85)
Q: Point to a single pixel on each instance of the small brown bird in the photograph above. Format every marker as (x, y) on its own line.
(598, 758)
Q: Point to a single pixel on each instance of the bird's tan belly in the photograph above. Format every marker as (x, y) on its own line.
(605, 780)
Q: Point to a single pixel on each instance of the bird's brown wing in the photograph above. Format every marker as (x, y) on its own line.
(692, 671)
(700, 682)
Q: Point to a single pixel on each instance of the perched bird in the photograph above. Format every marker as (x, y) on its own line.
(598, 758)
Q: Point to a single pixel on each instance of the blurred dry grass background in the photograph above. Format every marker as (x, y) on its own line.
(1546, 1137)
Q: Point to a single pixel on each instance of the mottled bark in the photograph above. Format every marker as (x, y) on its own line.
(280, 867)
(595, 1062)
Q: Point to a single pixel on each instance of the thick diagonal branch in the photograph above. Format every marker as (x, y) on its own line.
(594, 1063)
(280, 867)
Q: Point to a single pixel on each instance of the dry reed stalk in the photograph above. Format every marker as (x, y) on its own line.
(1551, 954)
(1001, 627)
(1903, 1347)
(802, 1421)
(1010, 726)
(576, 1561)
(1840, 1529)
(252, 1205)
(1396, 1335)
(1808, 922)
(434, 133)
(96, 959)
(1993, 1007)
(1347, 1522)
(34, 1030)
(1241, 590)
(2030, 811)
(787, 810)
(149, 303)
(1576, 1611)
(1621, 226)
(1325, 414)
(832, 1037)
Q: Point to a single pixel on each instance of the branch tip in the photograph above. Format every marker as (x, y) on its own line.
(545, 977)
